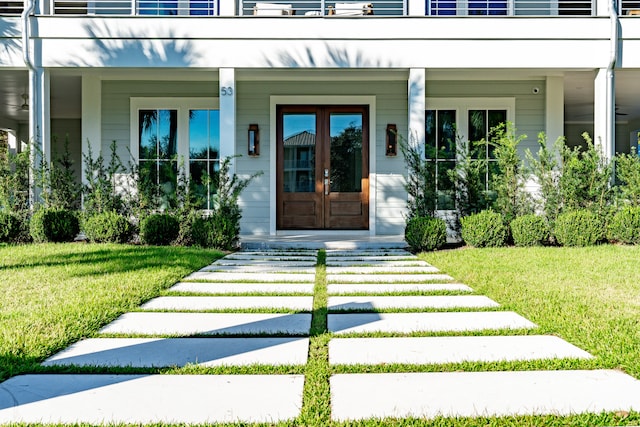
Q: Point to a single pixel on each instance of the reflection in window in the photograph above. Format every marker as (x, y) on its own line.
(299, 140)
(440, 153)
(204, 154)
(158, 7)
(157, 131)
(346, 152)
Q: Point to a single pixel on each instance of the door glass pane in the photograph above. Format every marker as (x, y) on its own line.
(346, 152)
(447, 134)
(299, 159)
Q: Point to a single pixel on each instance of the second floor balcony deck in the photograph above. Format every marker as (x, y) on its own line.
(321, 8)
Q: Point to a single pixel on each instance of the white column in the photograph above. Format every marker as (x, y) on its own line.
(603, 114)
(602, 7)
(554, 100)
(227, 93)
(39, 122)
(417, 7)
(417, 106)
(91, 117)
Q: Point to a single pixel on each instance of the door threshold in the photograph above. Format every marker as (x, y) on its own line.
(320, 233)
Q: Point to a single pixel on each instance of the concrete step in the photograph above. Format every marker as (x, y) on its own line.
(372, 303)
(481, 394)
(440, 350)
(387, 278)
(425, 322)
(200, 303)
(251, 277)
(381, 269)
(239, 288)
(382, 288)
(167, 352)
(146, 399)
(185, 324)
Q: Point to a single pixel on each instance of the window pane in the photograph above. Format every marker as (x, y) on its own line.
(167, 133)
(443, 7)
(299, 140)
(198, 134)
(199, 182)
(495, 118)
(167, 178)
(447, 134)
(430, 134)
(148, 133)
(446, 191)
(346, 152)
(214, 134)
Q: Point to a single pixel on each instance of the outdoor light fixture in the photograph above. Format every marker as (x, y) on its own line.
(253, 148)
(392, 140)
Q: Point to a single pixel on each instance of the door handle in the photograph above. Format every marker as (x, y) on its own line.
(326, 181)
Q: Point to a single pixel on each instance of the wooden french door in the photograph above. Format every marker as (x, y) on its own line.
(322, 167)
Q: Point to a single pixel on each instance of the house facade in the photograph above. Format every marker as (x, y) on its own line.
(314, 93)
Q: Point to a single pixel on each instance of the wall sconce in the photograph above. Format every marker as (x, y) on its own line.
(253, 147)
(392, 140)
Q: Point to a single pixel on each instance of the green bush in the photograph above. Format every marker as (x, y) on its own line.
(580, 227)
(107, 227)
(54, 225)
(529, 230)
(484, 229)
(215, 231)
(625, 226)
(425, 233)
(159, 229)
(12, 228)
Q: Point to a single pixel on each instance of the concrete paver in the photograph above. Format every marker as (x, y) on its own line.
(383, 288)
(209, 324)
(371, 303)
(251, 277)
(143, 399)
(240, 288)
(166, 352)
(436, 350)
(381, 269)
(201, 303)
(425, 322)
(481, 394)
(377, 263)
(387, 278)
(265, 262)
(250, 268)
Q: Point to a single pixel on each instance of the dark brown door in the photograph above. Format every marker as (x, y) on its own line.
(323, 167)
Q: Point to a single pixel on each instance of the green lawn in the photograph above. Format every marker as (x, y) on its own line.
(54, 294)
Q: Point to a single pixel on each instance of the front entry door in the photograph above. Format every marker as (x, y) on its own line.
(323, 167)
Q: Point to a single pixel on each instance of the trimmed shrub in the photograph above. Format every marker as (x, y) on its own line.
(484, 229)
(12, 228)
(107, 227)
(624, 227)
(425, 233)
(529, 230)
(580, 227)
(54, 225)
(159, 229)
(216, 231)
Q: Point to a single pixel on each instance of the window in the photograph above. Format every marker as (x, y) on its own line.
(173, 133)
(468, 7)
(450, 122)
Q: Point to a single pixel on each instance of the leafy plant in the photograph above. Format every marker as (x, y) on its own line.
(628, 173)
(484, 229)
(100, 190)
(545, 171)
(624, 227)
(107, 227)
(64, 189)
(511, 198)
(580, 227)
(585, 180)
(529, 230)
(12, 227)
(420, 181)
(425, 233)
(14, 181)
(54, 225)
(159, 229)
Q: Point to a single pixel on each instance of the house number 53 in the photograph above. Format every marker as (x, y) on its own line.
(226, 91)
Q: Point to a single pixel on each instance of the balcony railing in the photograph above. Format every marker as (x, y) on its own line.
(324, 7)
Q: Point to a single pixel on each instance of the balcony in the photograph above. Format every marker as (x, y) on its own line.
(287, 8)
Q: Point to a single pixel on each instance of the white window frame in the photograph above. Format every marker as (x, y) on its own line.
(462, 106)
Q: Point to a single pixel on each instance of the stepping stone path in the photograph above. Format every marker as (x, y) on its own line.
(249, 308)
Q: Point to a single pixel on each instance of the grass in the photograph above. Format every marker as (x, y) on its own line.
(52, 295)
(588, 296)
